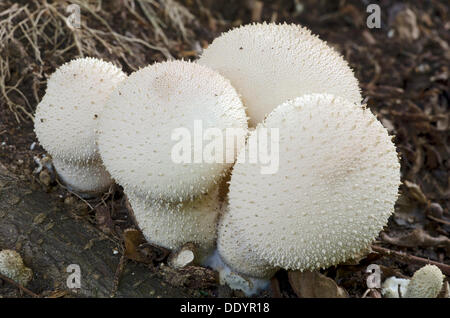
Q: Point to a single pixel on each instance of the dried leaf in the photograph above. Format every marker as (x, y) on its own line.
(137, 249)
(416, 192)
(133, 238)
(315, 285)
(416, 238)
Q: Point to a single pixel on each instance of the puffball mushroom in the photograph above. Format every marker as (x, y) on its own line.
(335, 188)
(271, 63)
(11, 266)
(145, 112)
(171, 225)
(425, 283)
(67, 116)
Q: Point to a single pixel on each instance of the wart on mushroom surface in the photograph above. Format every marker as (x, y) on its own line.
(66, 119)
(271, 63)
(335, 188)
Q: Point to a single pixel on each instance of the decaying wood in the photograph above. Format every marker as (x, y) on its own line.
(36, 225)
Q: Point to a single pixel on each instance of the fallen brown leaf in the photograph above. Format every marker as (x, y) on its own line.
(315, 285)
(416, 192)
(418, 237)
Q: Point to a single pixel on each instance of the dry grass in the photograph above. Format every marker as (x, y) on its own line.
(35, 38)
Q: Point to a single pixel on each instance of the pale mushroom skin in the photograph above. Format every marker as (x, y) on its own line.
(66, 119)
(142, 114)
(425, 283)
(90, 176)
(335, 189)
(271, 63)
(172, 225)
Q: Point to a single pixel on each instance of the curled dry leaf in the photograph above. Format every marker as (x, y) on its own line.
(315, 285)
(416, 238)
(137, 249)
(416, 192)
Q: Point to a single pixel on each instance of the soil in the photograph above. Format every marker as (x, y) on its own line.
(403, 69)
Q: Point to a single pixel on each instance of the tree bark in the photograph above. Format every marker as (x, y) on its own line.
(36, 225)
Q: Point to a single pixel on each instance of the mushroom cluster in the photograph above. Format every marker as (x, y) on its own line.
(337, 177)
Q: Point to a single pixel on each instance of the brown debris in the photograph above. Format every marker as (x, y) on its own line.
(417, 238)
(315, 285)
(190, 276)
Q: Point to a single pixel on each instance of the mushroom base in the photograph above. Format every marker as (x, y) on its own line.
(249, 285)
(173, 225)
(86, 178)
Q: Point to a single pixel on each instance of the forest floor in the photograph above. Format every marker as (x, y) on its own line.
(403, 69)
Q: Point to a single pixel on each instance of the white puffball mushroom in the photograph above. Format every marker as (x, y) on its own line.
(149, 132)
(66, 119)
(426, 283)
(391, 286)
(12, 266)
(271, 63)
(172, 225)
(334, 190)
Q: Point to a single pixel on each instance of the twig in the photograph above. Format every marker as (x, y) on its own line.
(14, 283)
(411, 258)
(438, 220)
(117, 275)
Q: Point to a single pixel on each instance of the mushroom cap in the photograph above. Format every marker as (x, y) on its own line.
(66, 118)
(425, 283)
(271, 63)
(173, 225)
(136, 129)
(335, 188)
(84, 177)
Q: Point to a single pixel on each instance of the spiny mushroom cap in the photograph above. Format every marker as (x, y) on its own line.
(425, 283)
(135, 130)
(335, 188)
(173, 225)
(271, 63)
(11, 266)
(86, 177)
(66, 118)
(236, 252)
